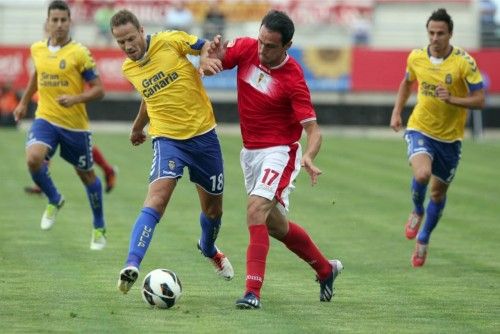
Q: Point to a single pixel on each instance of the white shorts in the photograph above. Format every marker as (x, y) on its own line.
(270, 172)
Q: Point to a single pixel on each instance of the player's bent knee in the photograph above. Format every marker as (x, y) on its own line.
(87, 177)
(423, 176)
(277, 233)
(438, 196)
(213, 214)
(34, 162)
(256, 217)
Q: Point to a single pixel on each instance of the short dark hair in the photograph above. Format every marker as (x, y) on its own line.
(122, 17)
(443, 16)
(278, 21)
(58, 4)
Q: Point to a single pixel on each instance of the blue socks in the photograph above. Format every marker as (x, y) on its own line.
(144, 227)
(209, 231)
(94, 194)
(418, 196)
(141, 236)
(434, 212)
(44, 181)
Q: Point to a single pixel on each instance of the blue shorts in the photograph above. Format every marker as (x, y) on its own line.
(76, 146)
(445, 156)
(201, 155)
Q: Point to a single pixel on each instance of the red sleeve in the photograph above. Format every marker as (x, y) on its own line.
(233, 52)
(301, 99)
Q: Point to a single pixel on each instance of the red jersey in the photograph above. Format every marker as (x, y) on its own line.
(272, 102)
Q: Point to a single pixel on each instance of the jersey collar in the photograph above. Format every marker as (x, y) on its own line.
(145, 57)
(277, 66)
(282, 63)
(449, 53)
(148, 41)
(69, 41)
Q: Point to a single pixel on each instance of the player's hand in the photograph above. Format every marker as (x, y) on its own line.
(311, 169)
(442, 93)
(210, 66)
(396, 122)
(137, 137)
(20, 112)
(67, 100)
(215, 44)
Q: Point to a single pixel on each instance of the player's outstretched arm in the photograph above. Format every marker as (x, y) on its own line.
(401, 98)
(211, 56)
(137, 135)
(314, 140)
(22, 106)
(94, 92)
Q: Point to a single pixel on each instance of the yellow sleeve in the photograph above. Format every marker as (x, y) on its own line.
(183, 42)
(85, 60)
(410, 71)
(471, 72)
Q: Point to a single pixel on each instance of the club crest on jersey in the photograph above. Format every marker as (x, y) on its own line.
(171, 164)
(448, 79)
(259, 80)
(62, 64)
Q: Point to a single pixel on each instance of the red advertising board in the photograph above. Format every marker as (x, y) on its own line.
(370, 70)
(109, 64)
(16, 66)
(383, 70)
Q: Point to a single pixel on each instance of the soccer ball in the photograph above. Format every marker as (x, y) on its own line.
(161, 288)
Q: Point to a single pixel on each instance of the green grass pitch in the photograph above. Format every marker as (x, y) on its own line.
(52, 282)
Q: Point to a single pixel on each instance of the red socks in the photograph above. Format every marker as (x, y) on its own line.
(100, 161)
(257, 250)
(298, 241)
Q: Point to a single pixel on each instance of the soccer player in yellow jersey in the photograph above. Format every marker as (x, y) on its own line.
(449, 83)
(182, 125)
(62, 69)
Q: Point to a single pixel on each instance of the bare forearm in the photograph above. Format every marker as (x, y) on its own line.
(30, 90)
(95, 92)
(470, 102)
(314, 140)
(205, 49)
(403, 94)
(312, 149)
(141, 119)
(475, 100)
(211, 57)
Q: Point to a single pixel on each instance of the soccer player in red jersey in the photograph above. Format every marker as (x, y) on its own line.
(274, 106)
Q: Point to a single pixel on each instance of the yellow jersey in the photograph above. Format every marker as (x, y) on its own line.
(177, 104)
(457, 72)
(62, 71)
